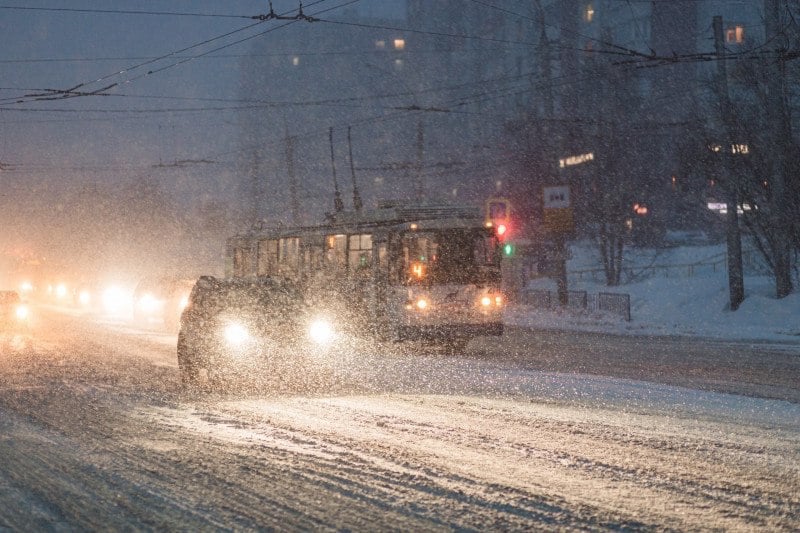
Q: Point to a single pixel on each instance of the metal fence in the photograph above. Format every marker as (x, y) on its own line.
(615, 303)
(752, 263)
(607, 302)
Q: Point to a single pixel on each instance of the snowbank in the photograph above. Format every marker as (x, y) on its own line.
(675, 291)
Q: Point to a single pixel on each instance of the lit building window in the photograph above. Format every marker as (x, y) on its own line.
(380, 45)
(296, 60)
(399, 44)
(588, 13)
(575, 160)
(735, 148)
(740, 149)
(735, 34)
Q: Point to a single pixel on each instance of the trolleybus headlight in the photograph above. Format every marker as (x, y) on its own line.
(321, 331)
(489, 300)
(422, 304)
(236, 334)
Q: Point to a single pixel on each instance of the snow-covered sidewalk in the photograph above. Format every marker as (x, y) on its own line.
(685, 302)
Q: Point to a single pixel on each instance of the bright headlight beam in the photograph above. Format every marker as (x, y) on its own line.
(320, 331)
(22, 312)
(149, 303)
(236, 334)
(115, 300)
(61, 290)
(84, 297)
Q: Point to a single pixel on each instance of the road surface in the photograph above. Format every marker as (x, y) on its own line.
(536, 431)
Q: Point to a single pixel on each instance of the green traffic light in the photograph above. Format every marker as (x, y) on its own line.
(508, 249)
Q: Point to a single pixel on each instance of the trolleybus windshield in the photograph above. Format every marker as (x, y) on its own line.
(453, 256)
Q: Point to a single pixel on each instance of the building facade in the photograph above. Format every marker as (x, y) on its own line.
(465, 99)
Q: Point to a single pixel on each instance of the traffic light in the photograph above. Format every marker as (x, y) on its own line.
(501, 230)
(509, 249)
(498, 215)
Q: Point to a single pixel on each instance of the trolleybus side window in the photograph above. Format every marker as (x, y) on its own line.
(383, 256)
(289, 255)
(311, 259)
(396, 259)
(336, 254)
(267, 257)
(242, 263)
(360, 252)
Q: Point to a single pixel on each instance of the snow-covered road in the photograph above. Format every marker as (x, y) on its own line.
(95, 434)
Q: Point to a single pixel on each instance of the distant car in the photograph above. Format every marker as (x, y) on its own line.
(160, 301)
(246, 329)
(13, 311)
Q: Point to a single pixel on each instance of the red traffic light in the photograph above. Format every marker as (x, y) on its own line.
(501, 230)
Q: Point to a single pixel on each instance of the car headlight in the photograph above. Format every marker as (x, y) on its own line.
(61, 290)
(116, 300)
(236, 334)
(84, 297)
(22, 312)
(149, 304)
(321, 331)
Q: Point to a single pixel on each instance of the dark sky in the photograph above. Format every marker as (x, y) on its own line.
(129, 130)
(148, 119)
(172, 120)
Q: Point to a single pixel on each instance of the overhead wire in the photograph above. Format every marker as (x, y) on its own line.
(73, 91)
(120, 12)
(234, 56)
(483, 96)
(266, 103)
(388, 117)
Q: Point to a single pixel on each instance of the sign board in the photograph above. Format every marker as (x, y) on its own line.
(556, 197)
(558, 217)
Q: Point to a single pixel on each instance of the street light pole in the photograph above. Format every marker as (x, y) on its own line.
(734, 238)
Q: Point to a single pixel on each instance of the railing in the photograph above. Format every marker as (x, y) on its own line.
(715, 263)
(618, 304)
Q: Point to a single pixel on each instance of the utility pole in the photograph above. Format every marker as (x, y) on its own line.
(551, 148)
(734, 237)
(781, 134)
